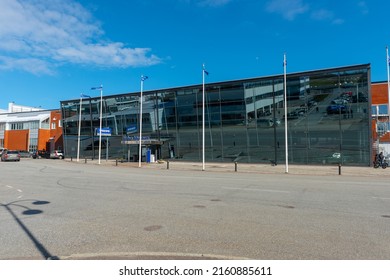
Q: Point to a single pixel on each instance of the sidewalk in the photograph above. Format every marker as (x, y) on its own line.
(325, 170)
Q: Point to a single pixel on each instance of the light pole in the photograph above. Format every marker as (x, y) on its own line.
(78, 137)
(143, 78)
(101, 116)
(203, 117)
(285, 111)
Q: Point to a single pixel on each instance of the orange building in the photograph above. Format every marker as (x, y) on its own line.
(30, 129)
(380, 117)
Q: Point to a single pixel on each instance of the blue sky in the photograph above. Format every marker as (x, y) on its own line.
(53, 50)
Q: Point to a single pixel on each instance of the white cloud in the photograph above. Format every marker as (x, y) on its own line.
(322, 14)
(47, 33)
(363, 7)
(289, 9)
(326, 15)
(32, 65)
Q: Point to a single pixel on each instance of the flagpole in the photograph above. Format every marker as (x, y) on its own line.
(100, 124)
(79, 132)
(285, 110)
(203, 121)
(101, 117)
(143, 78)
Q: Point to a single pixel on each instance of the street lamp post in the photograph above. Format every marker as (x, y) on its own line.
(143, 78)
(101, 116)
(285, 112)
(203, 117)
(79, 132)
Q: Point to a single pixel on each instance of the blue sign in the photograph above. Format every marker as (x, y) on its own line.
(106, 131)
(131, 129)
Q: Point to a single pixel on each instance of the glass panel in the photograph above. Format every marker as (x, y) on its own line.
(327, 119)
(383, 110)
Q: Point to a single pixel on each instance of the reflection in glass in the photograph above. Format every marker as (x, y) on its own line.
(328, 120)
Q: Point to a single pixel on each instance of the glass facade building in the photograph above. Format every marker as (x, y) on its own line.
(328, 120)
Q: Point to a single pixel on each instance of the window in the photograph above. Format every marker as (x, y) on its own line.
(16, 126)
(53, 125)
(379, 110)
(24, 125)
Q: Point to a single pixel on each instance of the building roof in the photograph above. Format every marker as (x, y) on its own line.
(25, 116)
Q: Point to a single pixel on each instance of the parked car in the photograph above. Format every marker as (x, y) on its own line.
(43, 154)
(57, 154)
(292, 115)
(268, 122)
(24, 154)
(336, 109)
(10, 155)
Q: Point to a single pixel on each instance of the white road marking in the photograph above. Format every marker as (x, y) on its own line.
(18, 190)
(375, 197)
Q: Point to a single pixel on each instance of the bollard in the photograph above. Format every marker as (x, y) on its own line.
(235, 166)
(167, 164)
(339, 168)
(85, 160)
(71, 158)
(116, 162)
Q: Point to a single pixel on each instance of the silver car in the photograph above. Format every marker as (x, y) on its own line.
(10, 155)
(57, 154)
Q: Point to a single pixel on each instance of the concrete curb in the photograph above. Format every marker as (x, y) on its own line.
(325, 170)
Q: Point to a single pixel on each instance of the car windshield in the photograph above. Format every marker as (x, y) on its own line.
(12, 152)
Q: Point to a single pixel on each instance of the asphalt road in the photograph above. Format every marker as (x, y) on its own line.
(58, 209)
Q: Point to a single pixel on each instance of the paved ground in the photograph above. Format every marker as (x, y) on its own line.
(68, 210)
(326, 170)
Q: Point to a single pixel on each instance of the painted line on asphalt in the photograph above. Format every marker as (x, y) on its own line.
(18, 190)
(257, 190)
(376, 197)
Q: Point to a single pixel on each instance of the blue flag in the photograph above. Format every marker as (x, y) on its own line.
(204, 70)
